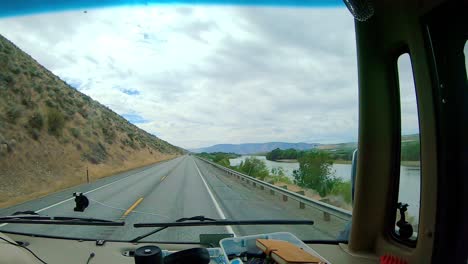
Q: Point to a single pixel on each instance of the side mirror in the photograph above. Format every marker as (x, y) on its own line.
(344, 235)
(353, 173)
(81, 202)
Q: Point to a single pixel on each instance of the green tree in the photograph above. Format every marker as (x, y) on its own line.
(278, 171)
(343, 189)
(254, 167)
(224, 162)
(219, 157)
(278, 175)
(315, 172)
(278, 154)
(274, 154)
(410, 151)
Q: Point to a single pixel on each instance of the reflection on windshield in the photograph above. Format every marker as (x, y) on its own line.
(159, 113)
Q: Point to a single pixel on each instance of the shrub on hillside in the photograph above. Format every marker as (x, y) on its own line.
(27, 101)
(17, 90)
(97, 153)
(16, 70)
(109, 134)
(128, 142)
(33, 72)
(6, 77)
(4, 59)
(75, 132)
(13, 113)
(36, 121)
(131, 135)
(38, 88)
(55, 121)
(50, 103)
(35, 134)
(83, 112)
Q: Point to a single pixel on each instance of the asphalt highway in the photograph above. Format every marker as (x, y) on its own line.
(164, 192)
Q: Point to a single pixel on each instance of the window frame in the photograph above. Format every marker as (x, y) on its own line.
(396, 162)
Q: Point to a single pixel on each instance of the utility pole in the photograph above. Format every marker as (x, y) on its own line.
(87, 174)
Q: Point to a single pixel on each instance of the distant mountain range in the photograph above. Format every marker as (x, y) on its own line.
(255, 148)
(262, 148)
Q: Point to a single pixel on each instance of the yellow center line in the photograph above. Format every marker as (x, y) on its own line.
(129, 210)
(163, 178)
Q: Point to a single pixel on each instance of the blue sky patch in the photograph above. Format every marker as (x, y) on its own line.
(135, 118)
(130, 92)
(74, 83)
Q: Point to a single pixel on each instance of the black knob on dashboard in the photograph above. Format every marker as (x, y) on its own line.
(148, 255)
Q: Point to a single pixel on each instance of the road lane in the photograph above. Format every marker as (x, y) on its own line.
(180, 194)
(167, 191)
(113, 200)
(242, 202)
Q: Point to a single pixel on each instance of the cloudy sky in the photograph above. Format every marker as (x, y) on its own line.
(198, 76)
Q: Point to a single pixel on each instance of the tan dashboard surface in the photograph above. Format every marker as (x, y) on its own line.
(55, 251)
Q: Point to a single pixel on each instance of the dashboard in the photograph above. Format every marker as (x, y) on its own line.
(52, 250)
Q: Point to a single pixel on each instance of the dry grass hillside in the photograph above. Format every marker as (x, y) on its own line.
(50, 133)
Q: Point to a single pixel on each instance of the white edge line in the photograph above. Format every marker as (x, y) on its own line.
(69, 199)
(218, 208)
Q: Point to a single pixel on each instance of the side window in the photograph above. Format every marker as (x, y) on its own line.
(410, 167)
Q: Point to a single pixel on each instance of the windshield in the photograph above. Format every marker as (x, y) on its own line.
(144, 109)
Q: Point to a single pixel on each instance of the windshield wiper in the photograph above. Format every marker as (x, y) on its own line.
(29, 217)
(204, 221)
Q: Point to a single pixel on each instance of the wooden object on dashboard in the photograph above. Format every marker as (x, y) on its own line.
(286, 253)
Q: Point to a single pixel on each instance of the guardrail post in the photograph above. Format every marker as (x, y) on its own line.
(285, 198)
(262, 187)
(301, 204)
(272, 192)
(254, 184)
(326, 216)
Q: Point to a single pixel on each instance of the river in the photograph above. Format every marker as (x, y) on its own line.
(409, 180)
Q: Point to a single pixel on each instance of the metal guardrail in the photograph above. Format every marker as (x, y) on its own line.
(303, 200)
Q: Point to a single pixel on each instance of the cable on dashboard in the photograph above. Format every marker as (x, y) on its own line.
(30, 251)
(90, 257)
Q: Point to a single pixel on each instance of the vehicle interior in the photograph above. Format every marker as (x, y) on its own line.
(434, 34)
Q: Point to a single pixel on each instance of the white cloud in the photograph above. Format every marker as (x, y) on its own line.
(208, 75)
